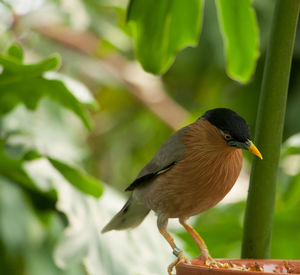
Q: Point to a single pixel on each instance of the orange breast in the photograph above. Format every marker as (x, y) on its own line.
(201, 179)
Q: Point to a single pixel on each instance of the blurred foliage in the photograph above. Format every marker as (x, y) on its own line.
(241, 39)
(26, 84)
(20, 146)
(46, 148)
(161, 32)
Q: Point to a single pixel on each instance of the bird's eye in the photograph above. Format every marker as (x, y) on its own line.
(227, 136)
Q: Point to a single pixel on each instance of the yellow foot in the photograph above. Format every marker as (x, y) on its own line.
(180, 259)
(206, 258)
(209, 261)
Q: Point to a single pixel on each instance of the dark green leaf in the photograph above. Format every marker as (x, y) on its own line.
(240, 34)
(80, 180)
(162, 28)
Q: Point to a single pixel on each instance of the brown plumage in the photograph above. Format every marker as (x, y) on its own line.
(208, 170)
(191, 172)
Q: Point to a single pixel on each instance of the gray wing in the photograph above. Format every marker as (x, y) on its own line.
(166, 157)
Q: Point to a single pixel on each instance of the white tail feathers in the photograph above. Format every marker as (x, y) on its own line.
(130, 216)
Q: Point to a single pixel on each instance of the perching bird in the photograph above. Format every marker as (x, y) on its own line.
(191, 172)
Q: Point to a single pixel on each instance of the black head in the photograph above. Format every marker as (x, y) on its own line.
(233, 128)
(229, 123)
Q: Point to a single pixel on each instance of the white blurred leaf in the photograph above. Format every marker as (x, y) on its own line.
(44, 131)
(23, 233)
(140, 251)
(24, 6)
(78, 16)
(6, 18)
(291, 146)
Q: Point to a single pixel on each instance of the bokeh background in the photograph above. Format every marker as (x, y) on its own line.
(55, 228)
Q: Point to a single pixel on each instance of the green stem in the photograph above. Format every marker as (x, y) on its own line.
(269, 127)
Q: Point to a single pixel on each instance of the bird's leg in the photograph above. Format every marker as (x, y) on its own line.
(162, 223)
(205, 256)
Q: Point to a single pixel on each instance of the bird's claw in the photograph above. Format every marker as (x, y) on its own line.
(180, 259)
(210, 261)
(206, 258)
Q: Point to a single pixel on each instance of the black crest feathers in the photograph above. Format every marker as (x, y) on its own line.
(229, 122)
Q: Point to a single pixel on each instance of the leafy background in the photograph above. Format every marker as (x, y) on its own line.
(80, 118)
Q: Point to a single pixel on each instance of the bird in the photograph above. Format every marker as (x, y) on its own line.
(191, 172)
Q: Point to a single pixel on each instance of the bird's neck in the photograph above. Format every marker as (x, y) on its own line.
(216, 165)
(205, 139)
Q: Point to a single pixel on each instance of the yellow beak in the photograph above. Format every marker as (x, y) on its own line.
(253, 149)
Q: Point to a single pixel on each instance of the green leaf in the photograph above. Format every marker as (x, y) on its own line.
(162, 28)
(33, 140)
(30, 90)
(81, 181)
(291, 146)
(46, 131)
(15, 51)
(80, 91)
(13, 170)
(27, 84)
(240, 34)
(18, 70)
(292, 192)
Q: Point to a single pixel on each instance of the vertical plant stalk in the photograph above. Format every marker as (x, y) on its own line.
(269, 127)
